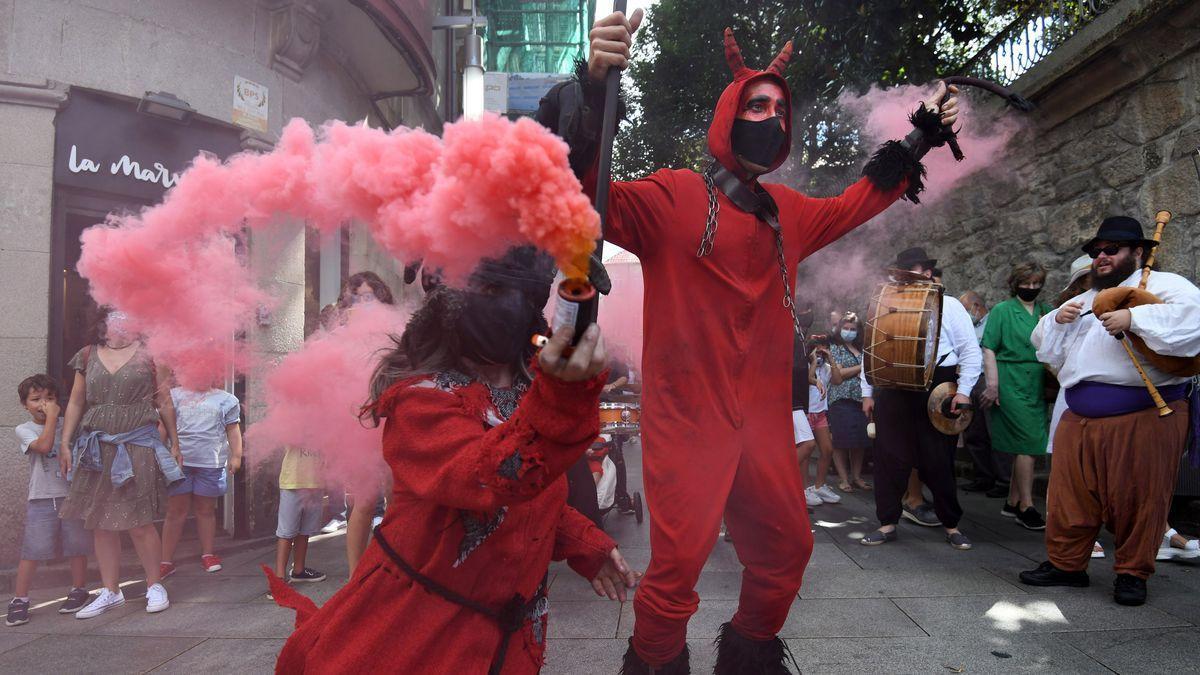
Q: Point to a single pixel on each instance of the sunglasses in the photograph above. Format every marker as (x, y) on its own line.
(1110, 250)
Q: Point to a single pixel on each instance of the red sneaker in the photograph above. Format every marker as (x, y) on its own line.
(211, 562)
(165, 569)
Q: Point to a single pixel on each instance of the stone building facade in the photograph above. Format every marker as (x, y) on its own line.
(317, 60)
(1115, 131)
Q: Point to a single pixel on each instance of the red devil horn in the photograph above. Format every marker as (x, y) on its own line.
(733, 54)
(780, 63)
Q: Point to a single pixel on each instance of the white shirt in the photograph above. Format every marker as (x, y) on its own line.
(981, 327)
(45, 478)
(1083, 350)
(818, 399)
(957, 346)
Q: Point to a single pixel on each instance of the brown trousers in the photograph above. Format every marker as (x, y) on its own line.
(1114, 471)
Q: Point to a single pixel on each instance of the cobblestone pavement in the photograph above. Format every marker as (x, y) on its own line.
(913, 606)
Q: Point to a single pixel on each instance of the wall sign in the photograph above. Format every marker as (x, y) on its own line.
(102, 143)
(249, 104)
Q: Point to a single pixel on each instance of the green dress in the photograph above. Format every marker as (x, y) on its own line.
(1019, 423)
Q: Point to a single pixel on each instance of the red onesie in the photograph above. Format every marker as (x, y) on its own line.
(717, 357)
(478, 507)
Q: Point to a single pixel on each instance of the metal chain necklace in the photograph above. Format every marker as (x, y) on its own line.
(710, 233)
(710, 226)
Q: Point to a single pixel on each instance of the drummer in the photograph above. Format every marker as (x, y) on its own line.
(905, 438)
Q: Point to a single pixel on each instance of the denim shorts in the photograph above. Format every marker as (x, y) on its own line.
(45, 532)
(300, 512)
(201, 481)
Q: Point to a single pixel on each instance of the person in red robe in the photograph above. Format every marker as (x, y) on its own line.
(454, 579)
(716, 248)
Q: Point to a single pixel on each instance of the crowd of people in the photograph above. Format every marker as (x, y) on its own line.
(1037, 381)
(482, 425)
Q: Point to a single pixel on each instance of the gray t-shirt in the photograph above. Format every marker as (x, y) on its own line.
(201, 417)
(45, 479)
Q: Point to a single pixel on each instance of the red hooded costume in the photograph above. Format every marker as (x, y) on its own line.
(479, 509)
(717, 358)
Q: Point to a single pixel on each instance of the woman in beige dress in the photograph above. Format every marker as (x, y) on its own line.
(118, 464)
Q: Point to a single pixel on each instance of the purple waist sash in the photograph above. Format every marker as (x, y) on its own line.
(1099, 399)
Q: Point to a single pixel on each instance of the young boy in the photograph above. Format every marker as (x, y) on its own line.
(210, 441)
(44, 530)
(300, 511)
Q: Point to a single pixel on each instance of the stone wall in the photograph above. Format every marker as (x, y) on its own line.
(1117, 124)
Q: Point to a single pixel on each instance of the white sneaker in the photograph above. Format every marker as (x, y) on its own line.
(1167, 551)
(827, 495)
(334, 525)
(811, 497)
(105, 601)
(156, 599)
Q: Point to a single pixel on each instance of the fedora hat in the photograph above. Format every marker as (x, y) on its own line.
(1120, 230)
(911, 257)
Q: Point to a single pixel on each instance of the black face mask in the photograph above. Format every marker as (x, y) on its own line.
(494, 329)
(805, 319)
(758, 142)
(1028, 294)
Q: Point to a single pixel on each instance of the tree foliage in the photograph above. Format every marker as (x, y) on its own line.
(679, 70)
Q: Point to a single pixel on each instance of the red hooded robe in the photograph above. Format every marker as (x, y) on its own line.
(469, 516)
(717, 359)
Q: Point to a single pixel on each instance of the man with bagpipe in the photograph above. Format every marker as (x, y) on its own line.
(1124, 352)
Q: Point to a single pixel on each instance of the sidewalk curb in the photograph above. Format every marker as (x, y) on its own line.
(58, 573)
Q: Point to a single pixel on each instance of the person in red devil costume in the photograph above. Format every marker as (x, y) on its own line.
(716, 248)
(454, 580)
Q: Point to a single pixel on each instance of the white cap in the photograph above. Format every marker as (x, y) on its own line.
(1079, 267)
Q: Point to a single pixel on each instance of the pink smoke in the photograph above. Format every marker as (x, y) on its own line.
(314, 396)
(621, 310)
(486, 186)
(983, 137)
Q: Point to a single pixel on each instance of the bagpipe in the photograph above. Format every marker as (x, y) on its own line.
(1128, 297)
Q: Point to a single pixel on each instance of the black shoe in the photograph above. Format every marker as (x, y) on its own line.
(998, 492)
(1129, 590)
(18, 612)
(634, 665)
(1030, 519)
(1047, 574)
(739, 655)
(878, 537)
(307, 574)
(76, 599)
(959, 541)
(1009, 510)
(921, 515)
(978, 485)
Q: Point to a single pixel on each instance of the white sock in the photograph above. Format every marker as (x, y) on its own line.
(1170, 533)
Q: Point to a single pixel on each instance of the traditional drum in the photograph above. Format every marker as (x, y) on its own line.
(903, 324)
(620, 418)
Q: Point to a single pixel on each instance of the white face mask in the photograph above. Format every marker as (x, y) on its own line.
(116, 329)
(849, 335)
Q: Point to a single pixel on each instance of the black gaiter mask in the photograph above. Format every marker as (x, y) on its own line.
(1028, 294)
(758, 142)
(495, 328)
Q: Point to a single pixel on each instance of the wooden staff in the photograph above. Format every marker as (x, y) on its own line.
(1161, 219)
